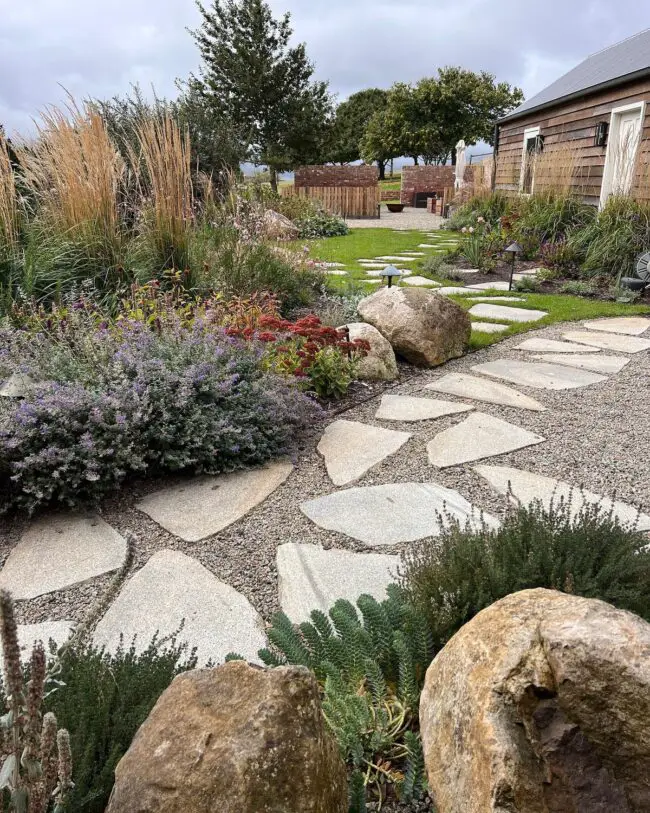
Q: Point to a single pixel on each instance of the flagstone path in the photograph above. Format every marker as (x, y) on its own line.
(216, 556)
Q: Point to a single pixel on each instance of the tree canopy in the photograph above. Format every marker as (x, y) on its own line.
(350, 124)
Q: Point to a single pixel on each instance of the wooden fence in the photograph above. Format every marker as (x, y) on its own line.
(345, 201)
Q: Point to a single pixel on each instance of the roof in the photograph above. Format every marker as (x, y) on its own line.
(615, 65)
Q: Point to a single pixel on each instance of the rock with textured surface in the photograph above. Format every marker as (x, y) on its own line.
(540, 704)
(235, 739)
(17, 385)
(278, 227)
(424, 328)
(379, 364)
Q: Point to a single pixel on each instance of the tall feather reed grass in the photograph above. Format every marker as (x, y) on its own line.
(9, 209)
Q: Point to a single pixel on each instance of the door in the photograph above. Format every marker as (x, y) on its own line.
(629, 132)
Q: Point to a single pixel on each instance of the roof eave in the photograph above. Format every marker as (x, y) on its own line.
(619, 80)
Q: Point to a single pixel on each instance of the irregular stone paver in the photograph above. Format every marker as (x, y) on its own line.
(467, 271)
(597, 364)
(380, 273)
(539, 376)
(454, 289)
(396, 258)
(478, 436)
(394, 513)
(527, 487)
(311, 578)
(608, 341)
(550, 346)
(372, 281)
(17, 385)
(426, 245)
(172, 588)
(351, 448)
(416, 253)
(421, 282)
(207, 505)
(496, 299)
(365, 261)
(489, 327)
(487, 311)
(408, 408)
(59, 551)
(334, 265)
(628, 325)
(480, 389)
(528, 272)
(497, 285)
(333, 272)
(28, 634)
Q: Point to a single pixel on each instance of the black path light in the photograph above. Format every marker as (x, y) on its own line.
(513, 251)
(391, 273)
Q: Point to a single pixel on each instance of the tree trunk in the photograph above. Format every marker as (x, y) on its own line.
(391, 167)
(382, 170)
(453, 156)
(274, 179)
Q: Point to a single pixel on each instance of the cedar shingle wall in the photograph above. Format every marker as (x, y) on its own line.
(336, 176)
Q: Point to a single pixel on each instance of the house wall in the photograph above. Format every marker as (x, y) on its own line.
(571, 127)
(432, 179)
(322, 176)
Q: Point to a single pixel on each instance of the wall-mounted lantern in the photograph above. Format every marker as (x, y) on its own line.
(601, 133)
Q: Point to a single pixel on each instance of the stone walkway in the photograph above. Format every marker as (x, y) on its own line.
(216, 555)
(408, 220)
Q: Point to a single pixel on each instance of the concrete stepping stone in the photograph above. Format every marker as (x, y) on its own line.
(333, 272)
(59, 551)
(496, 299)
(351, 448)
(172, 588)
(311, 578)
(607, 365)
(477, 437)
(409, 408)
(497, 285)
(393, 513)
(379, 272)
(487, 311)
(206, 505)
(371, 262)
(627, 325)
(550, 346)
(426, 245)
(489, 327)
(417, 253)
(527, 487)
(28, 634)
(608, 341)
(479, 389)
(528, 272)
(372, 281)
(451, 290)
(466, 271)
(396, 258)
(421, 282)
(537, 375)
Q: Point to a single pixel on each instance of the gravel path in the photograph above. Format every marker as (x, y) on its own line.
(410, 218)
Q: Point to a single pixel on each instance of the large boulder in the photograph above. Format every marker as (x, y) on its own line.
(541, 704)
(278, 227)
(425, 328)
(379, 364)
(235, 739)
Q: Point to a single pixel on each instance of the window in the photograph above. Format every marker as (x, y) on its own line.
(533, 145)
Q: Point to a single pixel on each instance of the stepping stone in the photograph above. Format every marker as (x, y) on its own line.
(417, 253)
(333, 265)
(528, 272)
(393, 513)
(373, 265)
(527, 487)
(311, 578)
(496, 299)
(351, 448)
(538, 375)
(479, 389)
(597, 364)
(371, 262)
(335, 273)
(489, 327)
(467, 271)
(380, 273)
(59, 551)
(487, 311)
(206, 505)
(372, 281)
(497, 285)
(28, 634)
(396, 258)
(628, 325)
(451, 290)
(422, 282)
(608, 341)
(550, 346)
(408, 408)
(172, 588)
(478, 436)
(426, 245)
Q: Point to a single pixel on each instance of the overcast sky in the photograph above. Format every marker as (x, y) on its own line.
(99, 47)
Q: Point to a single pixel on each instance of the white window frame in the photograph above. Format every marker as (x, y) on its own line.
(529, 132)
(612, 138)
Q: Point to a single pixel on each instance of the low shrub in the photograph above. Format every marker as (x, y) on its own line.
(560, 258)
(577, 287)
(528, 284)
(490, 207)
(481, 245)
(437, 265)
(321, 224)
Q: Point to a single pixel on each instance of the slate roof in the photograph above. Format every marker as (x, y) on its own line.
(612, 65)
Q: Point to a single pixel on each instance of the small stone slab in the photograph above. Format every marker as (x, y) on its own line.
(207, 505)
(416, 253)
(311, 578)
(607, 365)
(452, 290)
(408, 408)
(393, 513)
(539, 376)
(368, 266)
(487, 311)
(400, 258)
(497, 285)
(335, 273)
(421, 282)
(608, 341)
(333, 265)
(371, 262)
(479, 389)
(528, 272)
(477, 437)
(17, 385)
(550, 346)
(380, 273)
(28, 634)
(496, 299)
(59, 551)
(425, 245)
(173, 588)
(489, 327)
(351, 448)
(627, 325)
(527, 487)
(467, 271)
(372, 281)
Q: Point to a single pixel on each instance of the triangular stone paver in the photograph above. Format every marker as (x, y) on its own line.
(477, 437)
(488, 311)
(421, 282)
(351, 448)
(173, 588)
(311, 578)
(496, 299)
(17, 385)
(608, 341)
(539, 376)
(480, 389)
(551, 346)
(393, 513)
(206, 505)
(489, 327)
(450, 290)
(527, 487)
(497, 285)
(409, 408)
(627, 325)
(59, 551)
(607, 365)
(28, 634)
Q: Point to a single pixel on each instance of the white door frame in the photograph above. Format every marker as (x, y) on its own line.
(529, 132)
(612, 144)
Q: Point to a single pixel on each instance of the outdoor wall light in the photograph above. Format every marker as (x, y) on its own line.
(601, 133)
(390, 273)
(513, 251)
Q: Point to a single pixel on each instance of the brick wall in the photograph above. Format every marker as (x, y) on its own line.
(427, 179)
(336, 176)
(389, 194)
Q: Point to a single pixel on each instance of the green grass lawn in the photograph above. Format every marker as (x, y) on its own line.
(391, 183)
